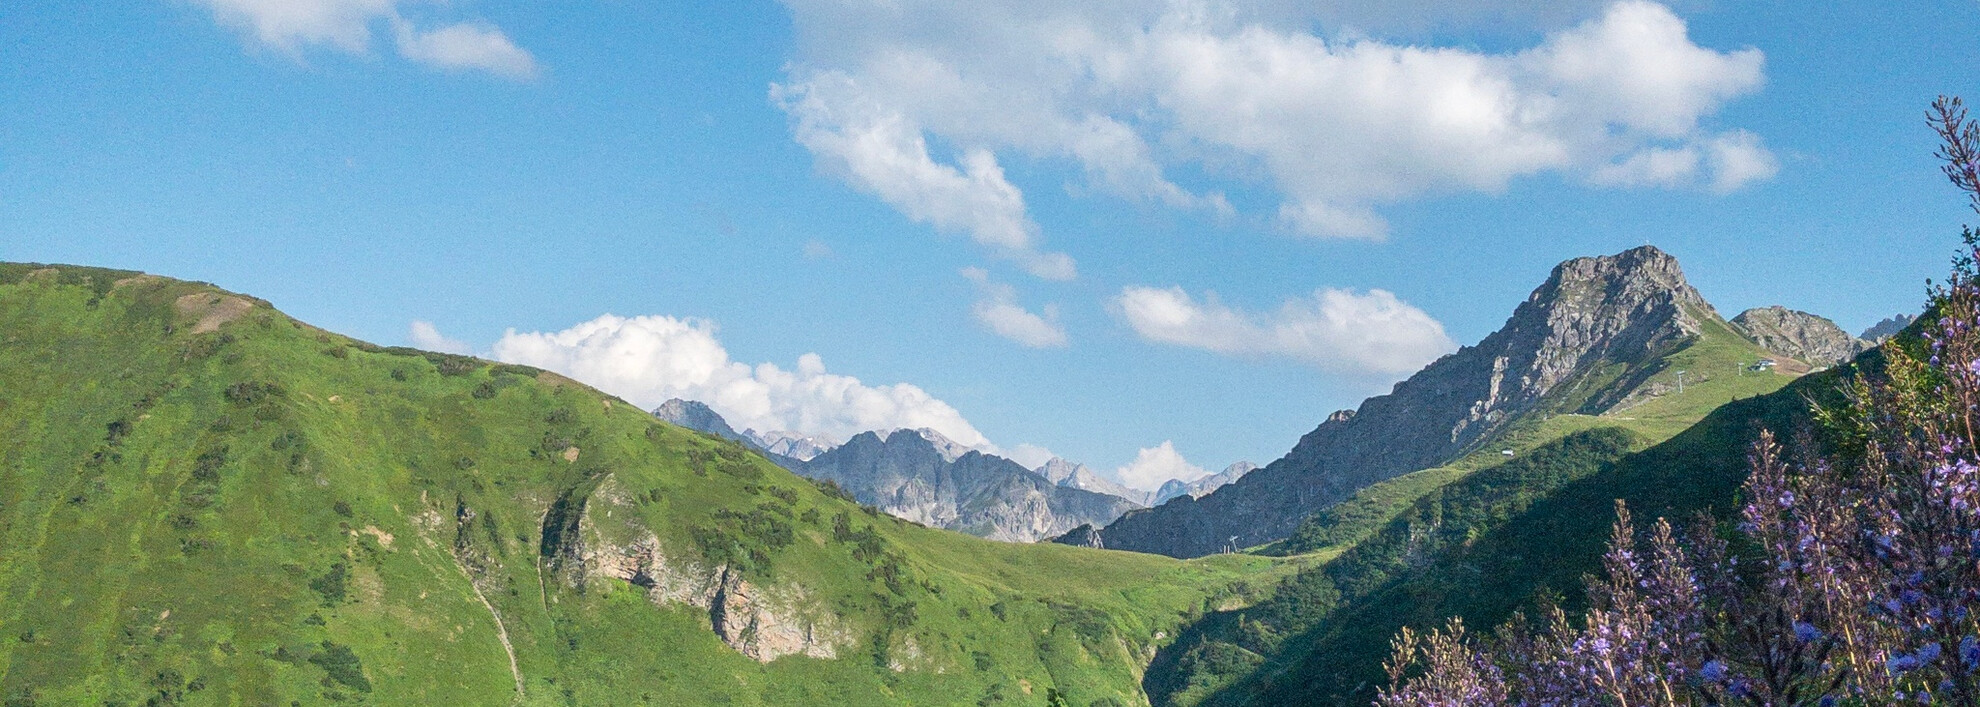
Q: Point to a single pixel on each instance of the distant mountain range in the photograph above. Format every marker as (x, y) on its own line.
(923, 476)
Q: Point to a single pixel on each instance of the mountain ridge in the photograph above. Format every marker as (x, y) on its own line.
(924, 477)
(1587, 341)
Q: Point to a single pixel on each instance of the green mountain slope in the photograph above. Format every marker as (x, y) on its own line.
(1479, 543)
(205, 501)
(1420, 546)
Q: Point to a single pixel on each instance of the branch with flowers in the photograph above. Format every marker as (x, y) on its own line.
(1852, 575)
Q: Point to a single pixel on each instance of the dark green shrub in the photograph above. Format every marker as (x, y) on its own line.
(251, 392)
(342, 666)
(332, 584)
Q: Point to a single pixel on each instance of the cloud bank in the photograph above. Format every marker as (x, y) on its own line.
(290, 26)
(922, 104)
(1336, 330)
(648, 359)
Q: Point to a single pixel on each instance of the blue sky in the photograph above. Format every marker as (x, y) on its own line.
(1003, 222)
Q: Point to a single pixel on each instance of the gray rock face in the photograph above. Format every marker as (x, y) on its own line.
(1558, 353)
(910, 476)
(1888, 328)
(1799, 335)
(698, 417)
(1078, 476)
(1201, 487)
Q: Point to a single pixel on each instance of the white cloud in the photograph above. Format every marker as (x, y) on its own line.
(1031, 456)
(1154, 465)
(426, 336)
(882, 151)
(1133, 90)
(997, 310)
(466, 46)
(1336, 330)
(648, 359)
(290, 26)
(1738, 159)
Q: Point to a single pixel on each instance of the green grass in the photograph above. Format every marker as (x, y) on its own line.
(267, 513)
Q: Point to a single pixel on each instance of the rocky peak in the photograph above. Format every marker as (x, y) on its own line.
(1880, 331)
(1059, 471)
(696, 416)
(1582, 342)
(1619, 308)
(1080, 476)
(950, 449)
(1799, 335)
(927, 478)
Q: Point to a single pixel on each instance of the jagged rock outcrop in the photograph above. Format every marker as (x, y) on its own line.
(1582, 342)
(912, 476)
(1083, 536)
(1071, 475)
(1888, 328)
(762, 622)
(1799, 335)
(1201, 487)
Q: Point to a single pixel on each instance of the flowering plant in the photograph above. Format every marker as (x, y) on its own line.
(1851, 575)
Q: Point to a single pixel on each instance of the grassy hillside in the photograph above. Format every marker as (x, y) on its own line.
(205, 501)
(1415, 548)
(1540, 547)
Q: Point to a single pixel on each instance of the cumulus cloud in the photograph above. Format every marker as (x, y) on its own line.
(880, 150)
(466, 47)
(997, 310)
(1336, 330)
(290, 26)
(426, 336)
(648, 359)
(1339, 125)
(1154, 465)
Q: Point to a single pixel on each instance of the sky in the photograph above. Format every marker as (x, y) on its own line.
(1154, 237)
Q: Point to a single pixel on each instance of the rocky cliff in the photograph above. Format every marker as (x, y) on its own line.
(1583, 342)
(911, 476)
(1799, 335)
